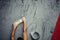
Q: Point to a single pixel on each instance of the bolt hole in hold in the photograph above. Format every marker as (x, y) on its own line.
(19, 38)
(35, 35)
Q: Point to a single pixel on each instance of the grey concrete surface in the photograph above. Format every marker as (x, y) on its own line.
(41, 16)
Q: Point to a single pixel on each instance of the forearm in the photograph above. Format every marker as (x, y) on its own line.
(25, 32)
(14, 26)
(25, 36)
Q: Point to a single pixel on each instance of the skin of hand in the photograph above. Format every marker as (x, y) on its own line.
(15, 24)
(24, 30)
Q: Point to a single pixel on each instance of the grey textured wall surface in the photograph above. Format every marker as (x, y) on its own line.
(41, 16)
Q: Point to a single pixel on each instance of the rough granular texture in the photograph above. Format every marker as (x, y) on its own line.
(41, 16)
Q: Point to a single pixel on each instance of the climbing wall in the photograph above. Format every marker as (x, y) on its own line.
(41, 16)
